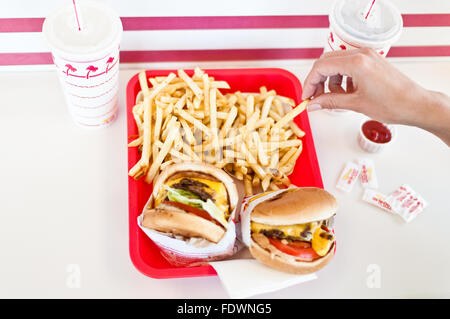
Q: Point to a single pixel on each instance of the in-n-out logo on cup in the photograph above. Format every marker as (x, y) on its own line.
(86, 56)
(335, 43)
(91, 87)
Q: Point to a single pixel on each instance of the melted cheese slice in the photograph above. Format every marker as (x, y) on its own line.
(288, 230)
(220, 193)
(320, 244)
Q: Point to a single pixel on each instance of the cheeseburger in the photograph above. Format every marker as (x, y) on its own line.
(292, 231)
(192, 200)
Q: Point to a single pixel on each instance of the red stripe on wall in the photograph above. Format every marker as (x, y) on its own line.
(425, 51)
(221, 55)
(227, 22)
(21, 24)
(33, 58)
(426, 20)
(237, 22)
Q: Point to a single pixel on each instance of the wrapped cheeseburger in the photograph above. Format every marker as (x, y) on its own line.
(190, 214)
(290, 229)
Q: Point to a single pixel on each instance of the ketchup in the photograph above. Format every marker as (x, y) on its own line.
(376, 132)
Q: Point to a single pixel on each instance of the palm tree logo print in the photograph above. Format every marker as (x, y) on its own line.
(90, 69)
(108, 63)
(70, 68)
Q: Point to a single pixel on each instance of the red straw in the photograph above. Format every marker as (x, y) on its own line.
(75, 6)
(370, 8)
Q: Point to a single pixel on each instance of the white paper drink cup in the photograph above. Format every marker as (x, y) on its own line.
(348, 30)
(87, 61)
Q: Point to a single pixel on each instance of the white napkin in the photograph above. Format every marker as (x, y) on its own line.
(243, 278)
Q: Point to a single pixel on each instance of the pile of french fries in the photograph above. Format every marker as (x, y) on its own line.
(250, 135)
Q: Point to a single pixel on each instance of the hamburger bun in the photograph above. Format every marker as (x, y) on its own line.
(295, 206)
(176, 221)
(194, 169)
(262, 250)
(168, 219)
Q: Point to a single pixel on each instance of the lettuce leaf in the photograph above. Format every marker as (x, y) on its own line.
(181, 196)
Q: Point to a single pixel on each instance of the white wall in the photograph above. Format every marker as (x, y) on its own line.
(136, 8)
(29, 43)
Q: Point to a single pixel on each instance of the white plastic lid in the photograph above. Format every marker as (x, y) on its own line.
(101, 30)
(383, 26)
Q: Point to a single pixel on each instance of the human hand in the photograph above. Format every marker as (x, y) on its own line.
(374, 87)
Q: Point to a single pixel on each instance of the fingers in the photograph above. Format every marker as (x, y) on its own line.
(345, 62)
(335, 101)
(338, 53)
(326, 67)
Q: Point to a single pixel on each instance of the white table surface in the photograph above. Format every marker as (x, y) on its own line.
(64, 202)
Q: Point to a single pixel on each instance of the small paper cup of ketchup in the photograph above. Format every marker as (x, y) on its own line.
(374, 136)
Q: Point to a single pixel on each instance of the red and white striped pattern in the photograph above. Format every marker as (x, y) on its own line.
(206, 31)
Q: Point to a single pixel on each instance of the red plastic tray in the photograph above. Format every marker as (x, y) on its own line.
(144, 253)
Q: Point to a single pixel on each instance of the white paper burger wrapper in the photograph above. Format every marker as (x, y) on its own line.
(248, 204)
(195, 251)
(244, 278)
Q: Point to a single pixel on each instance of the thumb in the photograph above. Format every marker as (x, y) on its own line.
(333, 101)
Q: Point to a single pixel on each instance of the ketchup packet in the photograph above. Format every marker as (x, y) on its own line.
(406, 202)
(377, 199)
(367, 174)
(348, 177)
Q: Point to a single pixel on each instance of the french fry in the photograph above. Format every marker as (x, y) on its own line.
(136, 142)
(147, 141)
(251, 135)
(290, 115)
(256, 181)
(158, 124)
(262, 156)
(213, 120)
(161, 86)
(161, 155)
(273, 186)
(206, 92)
(250, 107)
(192, 85)
(143, 82)
(180, 103)
(135, 169)
(137, 119)
(175, 153)
(272, 146)
(187, 132)
(186, 116)
(248, 186)
(165, 164)
(297, 131)
(287, 156)
(169, 127)
(278, 107)
(266, 107)
(188, 150)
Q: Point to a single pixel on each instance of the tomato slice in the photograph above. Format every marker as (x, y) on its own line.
(193, 210)
(300, 249)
